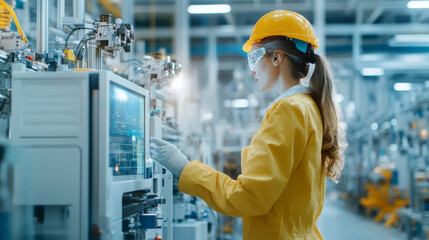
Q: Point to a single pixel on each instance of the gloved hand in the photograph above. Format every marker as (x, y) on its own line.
(168, 155)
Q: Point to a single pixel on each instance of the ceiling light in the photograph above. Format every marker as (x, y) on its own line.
(209, 9)
(418, 4)
(240, 103)
(417, 38)
(402, 86)
(409, 40)
(372, 71)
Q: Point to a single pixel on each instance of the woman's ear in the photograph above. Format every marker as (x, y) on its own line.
(277, 58)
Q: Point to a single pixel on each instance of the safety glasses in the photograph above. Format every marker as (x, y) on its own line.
(254, 56)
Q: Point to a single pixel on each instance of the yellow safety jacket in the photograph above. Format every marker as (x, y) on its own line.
(281, 190)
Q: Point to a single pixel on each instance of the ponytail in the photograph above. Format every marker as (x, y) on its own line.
(334, 142)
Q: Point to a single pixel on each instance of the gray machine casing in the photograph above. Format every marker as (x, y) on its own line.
(61, 121)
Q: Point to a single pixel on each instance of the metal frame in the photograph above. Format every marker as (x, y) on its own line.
(78, 17)
(42, 26)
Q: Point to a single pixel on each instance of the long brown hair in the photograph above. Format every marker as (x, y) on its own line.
(322, 88)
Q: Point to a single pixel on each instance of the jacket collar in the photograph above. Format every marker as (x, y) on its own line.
(297, 89)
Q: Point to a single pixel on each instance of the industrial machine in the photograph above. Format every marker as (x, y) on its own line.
(105, 37)
(85, 142)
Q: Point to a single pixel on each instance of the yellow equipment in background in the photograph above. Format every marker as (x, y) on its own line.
(6, 12)
(5, 17)
(385, 199)
(69, 56)
(110, 7)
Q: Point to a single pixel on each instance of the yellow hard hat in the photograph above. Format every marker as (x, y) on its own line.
(282, 23)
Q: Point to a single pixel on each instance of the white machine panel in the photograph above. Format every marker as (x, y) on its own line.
(50, 121)
(55, 187)
(49, 106)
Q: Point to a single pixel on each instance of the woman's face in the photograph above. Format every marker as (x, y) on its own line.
(265, 73)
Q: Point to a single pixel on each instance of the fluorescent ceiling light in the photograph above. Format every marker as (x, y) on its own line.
(209, 9)
(372, 71)
(418, 4)
(402, 86)
(240, 103)
(415, 38)
(409, 40)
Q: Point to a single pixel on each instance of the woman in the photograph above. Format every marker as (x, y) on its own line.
(281, 190)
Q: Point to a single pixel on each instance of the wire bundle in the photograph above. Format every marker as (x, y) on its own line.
(79, 50)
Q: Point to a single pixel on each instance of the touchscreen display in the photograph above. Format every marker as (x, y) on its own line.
(127, 131)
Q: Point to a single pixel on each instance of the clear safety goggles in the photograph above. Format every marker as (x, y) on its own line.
(253, 57)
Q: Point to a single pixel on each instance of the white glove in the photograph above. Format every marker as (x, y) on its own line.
(168, 155)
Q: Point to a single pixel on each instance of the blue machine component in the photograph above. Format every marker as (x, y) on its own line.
(147, 221)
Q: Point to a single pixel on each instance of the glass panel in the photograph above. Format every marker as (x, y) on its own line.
(127, 141)
(68, 8)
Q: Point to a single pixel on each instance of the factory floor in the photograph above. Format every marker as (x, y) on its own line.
(338, 222)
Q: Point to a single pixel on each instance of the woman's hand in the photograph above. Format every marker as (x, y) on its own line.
(168, 155)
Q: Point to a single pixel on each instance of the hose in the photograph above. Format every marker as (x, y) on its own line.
(5, 18)
(6, 7)
(79, 50)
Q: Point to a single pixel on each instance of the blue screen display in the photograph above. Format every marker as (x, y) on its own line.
(127, 131)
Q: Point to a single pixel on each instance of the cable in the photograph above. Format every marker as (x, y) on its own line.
(79, 51)
(82, 43)
(72, 31)
(5, 17)
(135, 60)
(15, 19)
